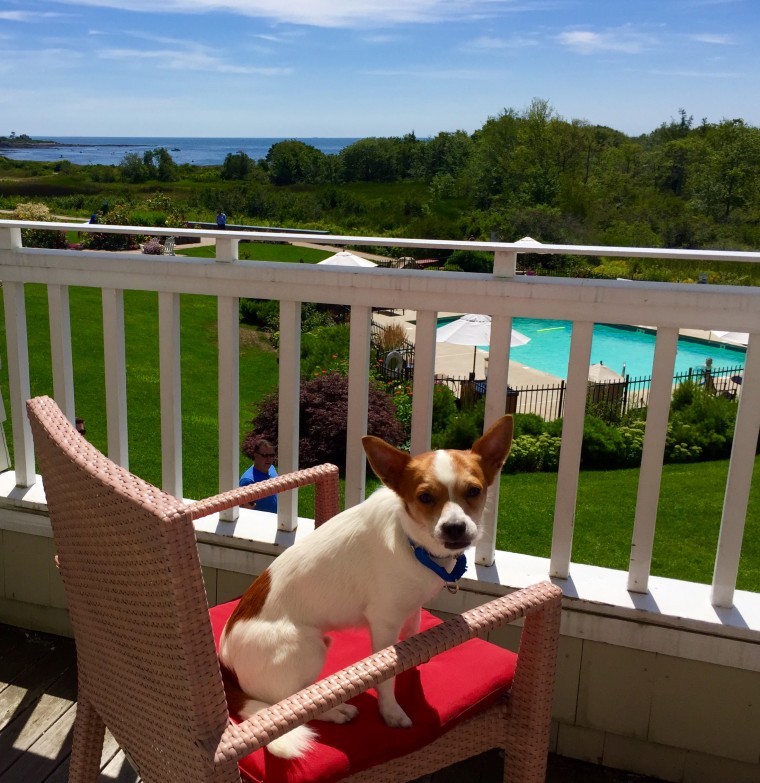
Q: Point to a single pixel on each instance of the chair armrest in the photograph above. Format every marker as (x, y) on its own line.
(326, 497)
(539, 604)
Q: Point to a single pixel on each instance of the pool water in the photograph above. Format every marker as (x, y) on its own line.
(627, 350)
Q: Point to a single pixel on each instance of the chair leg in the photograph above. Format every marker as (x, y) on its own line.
(531, 698)
(87, 746)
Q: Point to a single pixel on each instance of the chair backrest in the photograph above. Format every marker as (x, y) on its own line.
(133, 581)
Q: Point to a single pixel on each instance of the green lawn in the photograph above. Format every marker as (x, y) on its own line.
(258, 375)
(688, 520)
(263, 251)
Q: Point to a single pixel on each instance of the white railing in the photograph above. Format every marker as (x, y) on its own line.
(503, 295)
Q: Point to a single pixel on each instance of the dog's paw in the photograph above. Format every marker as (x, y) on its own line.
(395, 717)
(343, 713)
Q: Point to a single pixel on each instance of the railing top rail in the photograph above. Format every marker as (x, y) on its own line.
(681, 305)
(519, 247)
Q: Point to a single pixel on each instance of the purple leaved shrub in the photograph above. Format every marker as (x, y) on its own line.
(322, 423)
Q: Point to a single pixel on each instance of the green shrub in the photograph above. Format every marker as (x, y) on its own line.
(602, 445)
(532, 453)
(264, 313)
(325, 349)
(470, 261)
(323, 407)
(461, 432)
(528, 424)
(38, 237)
(401, 396)
(118, 215)
(444, 406)
(701, 424)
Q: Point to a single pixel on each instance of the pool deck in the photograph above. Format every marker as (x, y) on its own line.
(456, 360)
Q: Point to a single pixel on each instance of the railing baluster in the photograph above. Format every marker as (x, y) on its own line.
(739, 482)
(17, 346)
(289, 404)
(358, 391)
(496, 402)
(424, 378)
(570, 450)
(115, 361)
(652, 457)
(60, 349)
(228, 360)
(171, 393)
(228, 308)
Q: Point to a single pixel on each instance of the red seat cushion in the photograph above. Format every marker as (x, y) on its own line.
(436, 695)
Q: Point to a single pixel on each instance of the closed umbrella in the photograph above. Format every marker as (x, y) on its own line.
(345, 258)
(473, 329)
(601, 373)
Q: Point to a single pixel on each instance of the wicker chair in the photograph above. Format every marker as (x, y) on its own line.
(147, 665)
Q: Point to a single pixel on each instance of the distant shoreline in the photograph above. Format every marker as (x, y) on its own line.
(23, 144)
(104, 150)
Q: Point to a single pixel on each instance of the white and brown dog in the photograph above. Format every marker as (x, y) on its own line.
(372, 565)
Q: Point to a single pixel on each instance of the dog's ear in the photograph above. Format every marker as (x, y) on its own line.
(387, 462)
(494, 445)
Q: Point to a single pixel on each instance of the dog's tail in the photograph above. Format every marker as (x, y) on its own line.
(294, 743)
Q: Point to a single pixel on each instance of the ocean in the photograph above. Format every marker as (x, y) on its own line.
(109, 150)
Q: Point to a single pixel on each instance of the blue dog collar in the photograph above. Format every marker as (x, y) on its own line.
(424, 557)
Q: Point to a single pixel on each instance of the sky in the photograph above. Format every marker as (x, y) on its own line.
(358, 68)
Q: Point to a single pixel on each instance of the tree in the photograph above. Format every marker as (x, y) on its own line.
(727, 174)
(371, 160)
(237, 165)
(160, 165)
(133, 168)
(291, 162)
(444, 154)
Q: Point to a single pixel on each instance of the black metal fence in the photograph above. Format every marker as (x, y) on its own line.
(618, 396)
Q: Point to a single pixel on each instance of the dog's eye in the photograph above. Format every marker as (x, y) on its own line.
(473, 492)
(425, 497)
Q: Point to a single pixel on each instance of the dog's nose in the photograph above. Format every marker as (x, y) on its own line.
(454, 530)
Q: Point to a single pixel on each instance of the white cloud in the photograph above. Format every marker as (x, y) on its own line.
(467, 74)
(688, 74)
(491, 43)
(623, 39)
(380, 39)
(333, 13)
(195, 59)
(28, 16)
(713, 38)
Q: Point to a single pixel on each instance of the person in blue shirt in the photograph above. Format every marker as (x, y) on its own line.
(263, 468)
(221, 219)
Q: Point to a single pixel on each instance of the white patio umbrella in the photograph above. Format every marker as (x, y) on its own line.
(601, 373)
(741, 338)
(346, 258)
(473, 329)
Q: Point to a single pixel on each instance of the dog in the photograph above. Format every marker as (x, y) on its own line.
(373, 565)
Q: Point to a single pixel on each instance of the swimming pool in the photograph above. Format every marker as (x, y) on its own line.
(625, 349)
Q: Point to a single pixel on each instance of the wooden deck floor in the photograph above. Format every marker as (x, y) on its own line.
(38, 705)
